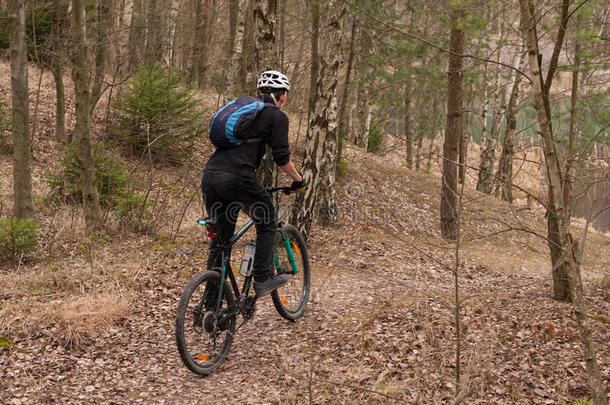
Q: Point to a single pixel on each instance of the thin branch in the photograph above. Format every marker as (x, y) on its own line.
(431, 44)
(558, 44)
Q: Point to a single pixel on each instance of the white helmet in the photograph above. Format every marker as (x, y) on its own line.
(274, 80)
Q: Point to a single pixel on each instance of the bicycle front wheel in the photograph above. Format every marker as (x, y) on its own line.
(290, 301)
(204, 329)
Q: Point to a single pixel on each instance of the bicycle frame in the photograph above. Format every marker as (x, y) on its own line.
(240, 296)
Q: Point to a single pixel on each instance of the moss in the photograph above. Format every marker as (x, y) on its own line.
(6, 342)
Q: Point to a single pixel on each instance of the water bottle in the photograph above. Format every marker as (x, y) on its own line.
(246, 264)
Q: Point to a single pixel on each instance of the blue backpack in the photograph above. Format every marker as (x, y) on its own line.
(231, 124)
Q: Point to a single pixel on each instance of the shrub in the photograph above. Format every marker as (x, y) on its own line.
(375, 138)
(38, 23)
(111, 177)
(158, 114)
(133, 210)
(343, 168)
(17, 237)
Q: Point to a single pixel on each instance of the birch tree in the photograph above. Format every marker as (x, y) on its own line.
(567, 282)
(234, 57)
(321, 140)
(504, 174)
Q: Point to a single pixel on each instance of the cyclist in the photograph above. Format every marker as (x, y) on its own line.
(229, 183)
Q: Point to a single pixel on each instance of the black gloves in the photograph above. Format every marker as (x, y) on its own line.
(298, 186)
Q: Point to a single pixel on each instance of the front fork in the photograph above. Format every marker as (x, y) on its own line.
(288, 247)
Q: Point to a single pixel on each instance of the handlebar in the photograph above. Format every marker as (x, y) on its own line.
(283, 189)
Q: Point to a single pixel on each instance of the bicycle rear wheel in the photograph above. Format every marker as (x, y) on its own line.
(204, 334)
(290, 301)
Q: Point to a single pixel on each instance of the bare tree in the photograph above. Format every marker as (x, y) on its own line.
(565, 257)
(321, 141)
(201, 41)
(82, 135)
(265, 52)
(102, 23)
(341, 118)
(505, 165)
(57, 70)
(234, 57)
(22, 168)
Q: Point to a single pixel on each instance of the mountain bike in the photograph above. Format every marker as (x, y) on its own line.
(212, 303)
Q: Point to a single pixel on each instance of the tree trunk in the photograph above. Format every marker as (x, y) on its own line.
(201, 42)
(488, 153)
(408, 134)
(247, 51)
(233, 15)
(125, 18)
(172, 23)
(265, 58)
(570, 160)
(315, 56)
(57, 71)
(153, 43)
(232, 88)
(103, 21)
(319, 163)
(136, 35)
(341, 118)
(60, 102)
(265, 52)
(282, 44)
(448, 207)
(564, 252)
(23, 207)
(418, 150)
(504, 175)
(82, 136)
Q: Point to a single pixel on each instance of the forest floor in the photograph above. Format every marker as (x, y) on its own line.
(91, 318)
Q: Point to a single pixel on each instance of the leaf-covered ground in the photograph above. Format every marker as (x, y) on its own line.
(372, 333)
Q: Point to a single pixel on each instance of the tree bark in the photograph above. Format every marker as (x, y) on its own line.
(504, 175)
(319, 163)
(564, 252)
(448, 209)
(58, 77)
(172, 23)
(23, 207)
(82, 135)
(341, 118)
(570, 160)
(136, 35)
(266, 58)
(247, 55)
(265, 52)
(153, 43)
(201, 42)
(233, 71)
(315, 54)
(408, 131)
(488, 153)
(103, 21)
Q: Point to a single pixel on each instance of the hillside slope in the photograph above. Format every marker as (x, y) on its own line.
(90, 320)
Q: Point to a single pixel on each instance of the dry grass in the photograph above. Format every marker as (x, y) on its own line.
(77, 318)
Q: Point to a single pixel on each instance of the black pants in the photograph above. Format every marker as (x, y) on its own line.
(225, 194)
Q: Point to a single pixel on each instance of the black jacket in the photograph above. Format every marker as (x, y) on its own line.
(271, 124)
